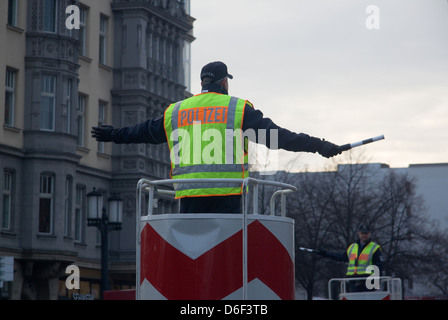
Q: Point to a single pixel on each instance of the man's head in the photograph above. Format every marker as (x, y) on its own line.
(215, 73)
(364, 233)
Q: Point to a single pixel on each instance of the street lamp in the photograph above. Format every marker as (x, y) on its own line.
(97, 217)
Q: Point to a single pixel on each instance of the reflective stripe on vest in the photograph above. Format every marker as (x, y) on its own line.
(205, 138)
(358, 265)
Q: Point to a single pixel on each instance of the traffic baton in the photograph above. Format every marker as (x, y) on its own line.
(306, 249)
(349, 146)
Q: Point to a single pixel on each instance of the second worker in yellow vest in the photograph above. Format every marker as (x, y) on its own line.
(223, 121)
(359, 256)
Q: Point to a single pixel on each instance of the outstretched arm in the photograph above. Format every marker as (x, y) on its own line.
(149, 131)
(338, 256)
(287, 140)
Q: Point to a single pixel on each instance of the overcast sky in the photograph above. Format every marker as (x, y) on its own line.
(313, 66)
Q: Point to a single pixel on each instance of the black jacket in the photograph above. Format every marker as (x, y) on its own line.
(152, 131)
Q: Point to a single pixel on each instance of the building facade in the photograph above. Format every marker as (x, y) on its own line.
(68, 66)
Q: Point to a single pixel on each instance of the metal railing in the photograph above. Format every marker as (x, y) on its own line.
(392, 286)
(153, 189)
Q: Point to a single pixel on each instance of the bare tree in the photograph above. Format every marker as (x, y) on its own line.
(330, 206)
(313, 226)
(434, 264)
(401, 224)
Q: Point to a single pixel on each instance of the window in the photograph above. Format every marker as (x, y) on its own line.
(175, 55)
(48, 103)
(67, 206)
(69, 105)
(49, 15)
(103, 40)
(10, 97)
(169, 54)
(163, 51)
(101, 121)
(7, 190)
(157, 48)
(83, 31)
(150, 45)
(139, 37)
(12, 13)
(81, 119)
(186, 4)
(79, 209)
(187, 65)
(46, 204)
(98, 237)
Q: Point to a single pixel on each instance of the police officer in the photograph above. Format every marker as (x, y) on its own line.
(210, 113)
(359, 256)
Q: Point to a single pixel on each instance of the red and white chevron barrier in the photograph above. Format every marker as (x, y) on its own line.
(200, 257)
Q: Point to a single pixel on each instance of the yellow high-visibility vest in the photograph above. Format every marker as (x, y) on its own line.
(205, 139)
(357, 265)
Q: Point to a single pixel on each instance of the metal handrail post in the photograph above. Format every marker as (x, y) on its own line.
(151, 200)
(244, 209)
(255, 199)
(283, 201)
(282, 193)
(138, 236)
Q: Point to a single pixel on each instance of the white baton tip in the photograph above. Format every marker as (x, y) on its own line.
(356, 144)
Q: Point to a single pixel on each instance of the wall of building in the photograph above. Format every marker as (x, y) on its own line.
(134, 82)
(13, 36)
(432, 183)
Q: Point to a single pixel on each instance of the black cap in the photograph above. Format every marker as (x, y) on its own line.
(215, 71)
(364, 228)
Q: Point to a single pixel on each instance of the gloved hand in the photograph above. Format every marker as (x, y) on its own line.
(329, 149)
(103, 133)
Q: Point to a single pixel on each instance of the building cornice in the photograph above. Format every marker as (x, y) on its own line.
(184, 22)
